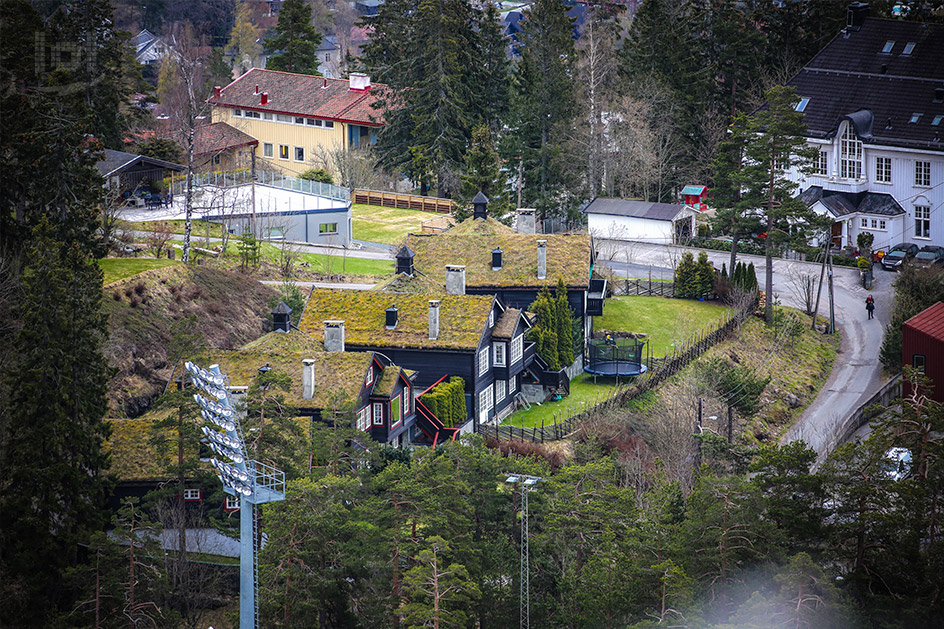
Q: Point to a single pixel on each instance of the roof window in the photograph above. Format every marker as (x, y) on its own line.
(915, 118)
(937, 121)
(887, 49)
(801, 106)
(909, 47)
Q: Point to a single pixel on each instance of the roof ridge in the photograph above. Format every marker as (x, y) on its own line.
(902, 77)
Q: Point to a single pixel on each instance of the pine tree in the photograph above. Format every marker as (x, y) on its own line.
(296, 41)
(483, 174)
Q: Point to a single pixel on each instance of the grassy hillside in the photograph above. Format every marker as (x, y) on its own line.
(119, 268)
(230, 310)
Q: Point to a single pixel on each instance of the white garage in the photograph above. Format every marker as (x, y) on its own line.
(643, 221)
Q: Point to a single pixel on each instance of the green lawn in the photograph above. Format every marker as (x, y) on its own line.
(666, 321)
(583, 394)
(119, 268)
(319, 262)
(198, 227)
(385, 224)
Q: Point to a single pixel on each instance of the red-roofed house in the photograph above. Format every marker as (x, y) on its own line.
(218, 146)
(296, 118)
(922, 346)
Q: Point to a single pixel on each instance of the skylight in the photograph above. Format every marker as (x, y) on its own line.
(801, 106)
(915, 118)
(908, 48)
(888, 47)
(937, 121)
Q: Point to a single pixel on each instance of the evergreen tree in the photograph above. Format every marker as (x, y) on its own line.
(706, 274)
(687, 283)
(483, 174)
(296, 41)
(565, 325)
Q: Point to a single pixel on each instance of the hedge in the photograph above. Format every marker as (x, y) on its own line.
(447, 401)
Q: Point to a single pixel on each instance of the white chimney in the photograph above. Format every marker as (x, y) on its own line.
(433, 319)
(308, 378)
(542, 259)
(525, 220)
(455, 279)
(334, 336)
(360, 82)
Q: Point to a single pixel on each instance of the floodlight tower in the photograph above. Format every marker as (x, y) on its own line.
(528, 483)
(254, 482)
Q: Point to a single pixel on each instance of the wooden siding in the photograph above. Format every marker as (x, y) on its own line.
(403, 201)
(915, 341)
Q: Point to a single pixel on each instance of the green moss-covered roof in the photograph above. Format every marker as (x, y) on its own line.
(472, 241)
(505, 326)
(134, 455)
(462, 318)
(403, 284)
(387, 381)
(339, 376)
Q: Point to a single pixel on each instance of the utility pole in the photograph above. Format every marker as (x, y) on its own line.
(832, 305)
(730, 425)
(819, 290)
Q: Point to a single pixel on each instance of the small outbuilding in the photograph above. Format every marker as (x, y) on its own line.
(922, 347)
(643, 221)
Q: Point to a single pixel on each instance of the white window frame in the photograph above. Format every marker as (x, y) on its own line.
(499, 390)
(864, 223)
(486, 402)
(300, 149)
(324, 229)
(363, 419)
(879, 224)
(483, 361)
(231, 503)
(922, 173)
(268, 149)
(238, 113)
(329, 124)
(191, 495)
(512, 385)
(850, 155)
(377, 414)
(299, 120)
(498, 351)
(822, 163)
(491, 318)
(517, 348)
(922, 221)
(266, 116)
(883, 169)
(283, 151)
(369, 379)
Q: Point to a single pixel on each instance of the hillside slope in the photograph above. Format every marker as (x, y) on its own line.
(230, 310)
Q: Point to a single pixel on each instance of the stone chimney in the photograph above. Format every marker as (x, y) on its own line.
(525, 220)
(405, 261)
(392, 317)
(497, 259)
(480, 206)
(433, 319)
(856, 13)
(360, 82)
(455, 279)
(334, 336)
(281, 317)
(308, 378)
(542, 259)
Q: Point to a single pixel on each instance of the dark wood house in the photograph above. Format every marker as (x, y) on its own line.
(922, 347)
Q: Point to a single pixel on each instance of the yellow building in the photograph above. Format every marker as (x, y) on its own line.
(297, 119)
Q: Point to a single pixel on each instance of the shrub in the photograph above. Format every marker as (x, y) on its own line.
(317, 174)
(737, 385)
(139, 288)
(863, 263)
(447, 401)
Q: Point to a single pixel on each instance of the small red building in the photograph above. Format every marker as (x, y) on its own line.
(922, 347)
(696, 197)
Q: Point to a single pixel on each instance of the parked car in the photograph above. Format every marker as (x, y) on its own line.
(898, 255)
(929, 255)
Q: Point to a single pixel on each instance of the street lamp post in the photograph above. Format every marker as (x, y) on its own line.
(254, 482)
(528, 483)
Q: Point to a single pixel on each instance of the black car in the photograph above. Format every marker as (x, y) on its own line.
(929, 255)
(898, 255)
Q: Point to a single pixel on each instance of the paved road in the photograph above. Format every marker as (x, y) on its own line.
(856, 374)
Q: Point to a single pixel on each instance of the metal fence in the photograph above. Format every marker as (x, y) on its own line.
(659, 371)
(225, 179)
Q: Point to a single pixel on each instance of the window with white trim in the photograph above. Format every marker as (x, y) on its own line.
(517, 348)
(231, 503)
(850, 155)
(922, 219)
(328, 228)
(378, 414)
(369, 380)
(265, 116)
(883, 169)
(363, 419)
(822, 164)
(491, 318)
(192, 494)
(864, 223)
(283, 151)
(253, 114)
(498, 348)
(329, 124)
(299, 120)
(483, 361)
(283, 118)
(499, 391)
(238, 113)
(485, 400)
(267, 149)
(299, 154)
(512, 385)
(878, 223)
(922, 173)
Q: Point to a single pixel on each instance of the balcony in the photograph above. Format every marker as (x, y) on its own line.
(596, 297)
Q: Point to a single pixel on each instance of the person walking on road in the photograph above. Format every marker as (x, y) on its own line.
(870, 306)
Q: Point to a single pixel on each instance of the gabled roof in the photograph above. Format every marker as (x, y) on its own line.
(507, 323)
(302, 95)
(115, 161)
(462, 318)
(929, 321)
(471, 242)
(844, 203)
(217, 137)
(635, 209)
(386, 384)
(852, 78)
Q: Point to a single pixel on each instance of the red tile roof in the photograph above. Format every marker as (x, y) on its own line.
(219, 136)
(929, 321)
(302, 95)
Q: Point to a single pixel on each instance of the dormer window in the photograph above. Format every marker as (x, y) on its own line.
(801, 106)
(909, 47)
(850, 155)
(887, 49)
(915, 118)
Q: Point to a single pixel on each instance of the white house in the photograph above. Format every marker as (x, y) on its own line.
(873, 100)
(644, 221)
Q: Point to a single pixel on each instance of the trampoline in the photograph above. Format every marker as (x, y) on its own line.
(615, 357)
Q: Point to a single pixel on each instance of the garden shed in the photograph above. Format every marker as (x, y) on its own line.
(644, 221)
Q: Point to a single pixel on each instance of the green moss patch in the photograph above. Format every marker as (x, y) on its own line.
(119, 268)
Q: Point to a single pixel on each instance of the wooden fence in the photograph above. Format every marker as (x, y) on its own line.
(644, 287)
(403, 201)
(659, 371)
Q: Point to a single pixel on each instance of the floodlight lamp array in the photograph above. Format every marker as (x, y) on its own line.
(233, 477)
(224, 445)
